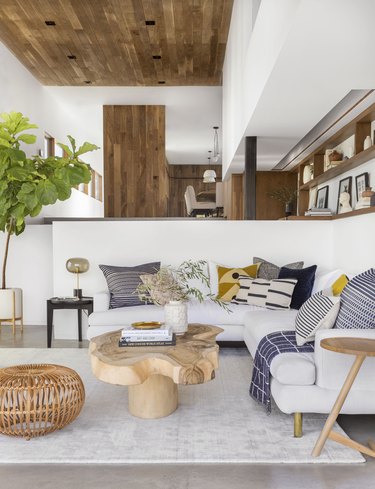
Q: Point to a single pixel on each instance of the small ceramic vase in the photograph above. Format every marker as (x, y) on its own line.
(175, 314)
(367, 143)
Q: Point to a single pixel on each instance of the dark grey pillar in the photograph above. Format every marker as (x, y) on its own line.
(250, 178)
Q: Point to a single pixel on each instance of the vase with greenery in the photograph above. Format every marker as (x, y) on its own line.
(173, 287)
(29, 183)
(286, 195)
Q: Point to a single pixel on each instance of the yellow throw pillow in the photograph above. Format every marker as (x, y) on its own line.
(339, 285)
(229, 284)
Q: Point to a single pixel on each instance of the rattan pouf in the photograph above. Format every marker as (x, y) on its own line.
(38, 399)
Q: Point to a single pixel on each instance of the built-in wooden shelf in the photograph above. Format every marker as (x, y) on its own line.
(343, 167)
(359, 212)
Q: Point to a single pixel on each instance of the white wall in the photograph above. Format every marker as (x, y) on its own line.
(251, 53)
(21, 92)
(30, 267)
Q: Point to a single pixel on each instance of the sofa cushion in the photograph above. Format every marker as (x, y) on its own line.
(294, 368)
(270, 271)
(302, 290)
(318, 312)
(273, 294)
(357, 309)
(123, 282)
(262, 322)
(324, 280)
(228, 279)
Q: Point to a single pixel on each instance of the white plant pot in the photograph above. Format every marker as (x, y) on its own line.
(175, 314)
(10, 304)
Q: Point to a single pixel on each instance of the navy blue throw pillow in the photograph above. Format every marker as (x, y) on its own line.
(302, 291)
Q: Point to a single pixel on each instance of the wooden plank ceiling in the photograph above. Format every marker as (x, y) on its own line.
(112, 45)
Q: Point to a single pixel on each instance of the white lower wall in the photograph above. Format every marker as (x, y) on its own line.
(37, 257)
(30, 268)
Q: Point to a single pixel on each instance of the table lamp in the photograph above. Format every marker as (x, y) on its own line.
(77, 266)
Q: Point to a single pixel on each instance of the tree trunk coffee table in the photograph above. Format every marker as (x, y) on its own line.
(152, 373)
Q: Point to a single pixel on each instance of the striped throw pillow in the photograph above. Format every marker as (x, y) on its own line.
(357, 309)
(123, 282)
(273, 294)
(318, 312)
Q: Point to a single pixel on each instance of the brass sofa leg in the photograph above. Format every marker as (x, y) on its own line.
(297, 425)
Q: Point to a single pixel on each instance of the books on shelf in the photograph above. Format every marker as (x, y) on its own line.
(166, 342)
(315, 211)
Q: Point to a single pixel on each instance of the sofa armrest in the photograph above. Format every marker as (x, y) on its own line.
(332, 368)
(101, 301)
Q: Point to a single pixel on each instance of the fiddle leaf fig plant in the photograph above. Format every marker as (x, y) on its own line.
(29, 183)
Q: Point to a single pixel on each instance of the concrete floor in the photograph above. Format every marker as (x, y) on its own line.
(270, 476)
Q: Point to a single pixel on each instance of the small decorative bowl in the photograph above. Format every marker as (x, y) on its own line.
(147, 325)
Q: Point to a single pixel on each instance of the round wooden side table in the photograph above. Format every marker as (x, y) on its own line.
(361, 348)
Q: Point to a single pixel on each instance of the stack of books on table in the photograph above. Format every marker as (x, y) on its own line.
(315, 211)
(147, 337)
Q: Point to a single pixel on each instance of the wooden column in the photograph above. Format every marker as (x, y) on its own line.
(250, 177)
(136, 182)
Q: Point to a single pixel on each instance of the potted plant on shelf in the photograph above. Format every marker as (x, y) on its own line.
(174, 287)
(286, 195)
(26, 185)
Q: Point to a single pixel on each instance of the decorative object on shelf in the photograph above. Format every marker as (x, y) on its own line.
(367, 143)
(313, 192)
(332, 158)
(366, 199)
(27, 184)
(322, 197)
(350, 152)
(361, 183)
(308, 173)
(216, 145)
(286, 195)
(77, 266)
(38, 399)
(209, 176)
(344, 195)
(175, 315)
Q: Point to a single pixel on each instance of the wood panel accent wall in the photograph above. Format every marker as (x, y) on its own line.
(267, 208)
(180, 176)
(135, 172)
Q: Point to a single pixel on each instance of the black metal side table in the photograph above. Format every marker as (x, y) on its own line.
(86, 303)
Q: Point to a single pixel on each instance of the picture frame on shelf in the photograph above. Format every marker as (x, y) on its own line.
(322, 198)
(361, 182)
(312, 197)
(345, 185)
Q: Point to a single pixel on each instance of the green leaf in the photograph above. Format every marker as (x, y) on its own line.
(79, 173)
(63, 188)
(36, 210)
(18, 173)
(46, 192)
(66, 148)
(73, 143)
(27, 138)
(27, 195)
(85, 148)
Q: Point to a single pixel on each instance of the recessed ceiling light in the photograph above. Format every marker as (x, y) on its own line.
(50, 22)
(161, 82)
(88, 82)
(156, 56)
(149, 22)
(72, 56)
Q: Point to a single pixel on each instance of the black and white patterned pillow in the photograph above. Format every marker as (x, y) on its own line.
(318, 312)
(123, 282)
(357, 310)
(270, 271)
(273, 294)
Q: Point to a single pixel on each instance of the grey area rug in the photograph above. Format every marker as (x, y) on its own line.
(216, 422)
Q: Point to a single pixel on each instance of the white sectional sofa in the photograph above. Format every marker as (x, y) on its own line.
(301, 382)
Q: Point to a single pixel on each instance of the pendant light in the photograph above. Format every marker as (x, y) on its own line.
(209, 176)
(216, 144)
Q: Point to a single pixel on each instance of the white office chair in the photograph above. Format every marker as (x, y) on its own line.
(195, 208)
